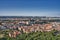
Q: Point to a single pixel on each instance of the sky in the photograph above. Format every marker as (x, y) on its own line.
(30, 8)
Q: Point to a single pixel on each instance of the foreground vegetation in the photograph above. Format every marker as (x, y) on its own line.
(53, 35)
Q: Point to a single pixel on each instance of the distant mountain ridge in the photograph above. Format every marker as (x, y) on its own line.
(25, 17)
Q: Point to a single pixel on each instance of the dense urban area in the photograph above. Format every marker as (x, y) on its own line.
(29, 28)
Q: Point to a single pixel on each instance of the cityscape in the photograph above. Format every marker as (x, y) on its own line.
(12, 26)
(29, 19)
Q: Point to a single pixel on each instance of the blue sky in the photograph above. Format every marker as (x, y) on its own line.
(29, 7)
